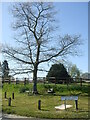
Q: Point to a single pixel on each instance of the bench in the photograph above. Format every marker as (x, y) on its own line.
(70, 98)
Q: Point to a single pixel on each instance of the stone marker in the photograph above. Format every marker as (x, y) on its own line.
(62, 107)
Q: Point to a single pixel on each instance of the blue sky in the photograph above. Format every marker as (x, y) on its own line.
(72, 18)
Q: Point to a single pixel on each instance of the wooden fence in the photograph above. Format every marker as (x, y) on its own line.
(65, 81)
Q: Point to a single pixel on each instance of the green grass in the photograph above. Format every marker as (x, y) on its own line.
(0, 99)
(28, 105)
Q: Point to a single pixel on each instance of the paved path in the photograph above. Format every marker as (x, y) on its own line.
(10, 116)
(14, 117)
(0, 115)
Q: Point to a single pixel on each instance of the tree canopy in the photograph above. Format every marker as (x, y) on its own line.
(35, 26)
(74, 71)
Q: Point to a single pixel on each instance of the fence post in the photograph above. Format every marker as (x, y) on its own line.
(81, 81)
(55, 81)
(25, 81)
(67, 81)
(13, 95)
(9, 101)
(5, 95)
(39, 104)
(17, 81)
(9, 81)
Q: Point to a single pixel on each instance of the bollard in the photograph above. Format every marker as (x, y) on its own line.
(76, 102)
(5, 95)
(9, 101)
(39, 104)
(13, 95)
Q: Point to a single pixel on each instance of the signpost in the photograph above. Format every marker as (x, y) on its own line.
(70, 98)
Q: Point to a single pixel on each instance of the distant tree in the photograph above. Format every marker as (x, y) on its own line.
(74, 71)
(86, 75)
(5, 70)
(59, 72)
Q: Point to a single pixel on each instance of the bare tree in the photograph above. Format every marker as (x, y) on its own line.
(36, 40)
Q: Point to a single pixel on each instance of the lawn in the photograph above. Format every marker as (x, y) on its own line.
(0, 99)
(27, 105)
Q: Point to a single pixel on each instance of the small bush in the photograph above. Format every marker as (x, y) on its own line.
(47, 86)
(23, 89)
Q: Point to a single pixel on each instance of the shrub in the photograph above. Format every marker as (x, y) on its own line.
(23, 89)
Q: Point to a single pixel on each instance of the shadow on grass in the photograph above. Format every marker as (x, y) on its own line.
(42, 109)
(12, 106)
(79, 110)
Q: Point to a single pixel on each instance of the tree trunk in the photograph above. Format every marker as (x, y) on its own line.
(35, 80)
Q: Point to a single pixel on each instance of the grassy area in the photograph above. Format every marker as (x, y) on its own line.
(28, 105)
(0, 99)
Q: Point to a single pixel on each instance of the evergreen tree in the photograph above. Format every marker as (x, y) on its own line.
(59, 72)
(5, 70)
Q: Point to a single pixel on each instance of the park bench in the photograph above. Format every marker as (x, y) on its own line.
(70, 98)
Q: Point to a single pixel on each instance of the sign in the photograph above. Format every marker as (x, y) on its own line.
(69, 97)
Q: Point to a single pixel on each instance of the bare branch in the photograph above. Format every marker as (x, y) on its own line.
(36, 38)
(11, 53)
